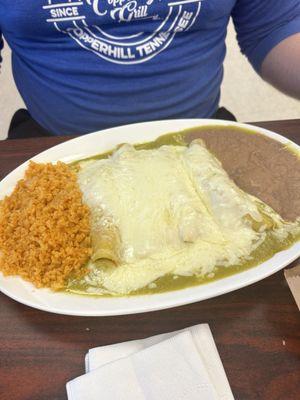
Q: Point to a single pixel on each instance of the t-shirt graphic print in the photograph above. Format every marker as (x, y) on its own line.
(101, 26)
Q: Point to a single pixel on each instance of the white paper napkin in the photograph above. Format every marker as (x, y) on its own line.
(169, 370)
(203, 340)
(178, 365)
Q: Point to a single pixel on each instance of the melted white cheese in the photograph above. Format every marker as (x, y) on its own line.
(177, 212)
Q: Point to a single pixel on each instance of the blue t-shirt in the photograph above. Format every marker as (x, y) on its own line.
(84, 65)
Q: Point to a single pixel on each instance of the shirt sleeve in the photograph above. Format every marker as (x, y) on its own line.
(1, 46)
(262, 24)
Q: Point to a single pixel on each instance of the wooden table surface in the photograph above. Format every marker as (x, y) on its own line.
(256, 329)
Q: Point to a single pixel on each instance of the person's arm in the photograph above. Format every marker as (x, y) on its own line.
(281, 67)
(268, 33)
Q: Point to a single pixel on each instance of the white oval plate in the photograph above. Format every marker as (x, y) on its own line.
(71, 304)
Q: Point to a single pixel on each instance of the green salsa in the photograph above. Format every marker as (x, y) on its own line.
(263, 252)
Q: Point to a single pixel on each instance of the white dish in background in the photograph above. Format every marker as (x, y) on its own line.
(71, 304)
